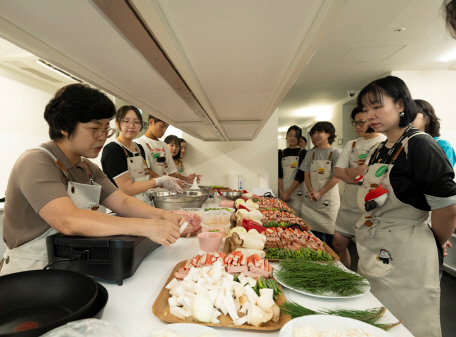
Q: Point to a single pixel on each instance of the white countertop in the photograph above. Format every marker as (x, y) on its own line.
(130, 305)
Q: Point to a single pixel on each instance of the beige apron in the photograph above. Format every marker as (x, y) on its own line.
(398, 255)
(290, 166)
(349, 212)
(33, 254)
(321, 215)
(137, 167)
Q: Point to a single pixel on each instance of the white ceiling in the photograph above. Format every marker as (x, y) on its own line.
(217, 69)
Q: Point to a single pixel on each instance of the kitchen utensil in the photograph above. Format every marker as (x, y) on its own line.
(172, 201)
(227, 195)
(34, 302)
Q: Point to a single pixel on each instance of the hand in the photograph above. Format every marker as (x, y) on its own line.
(316, 196)
(162, 231)
(445, 246)
(191, 178)
(282, 195)
(170, 183)
(198, 178)
(286, 197)
(173, 217)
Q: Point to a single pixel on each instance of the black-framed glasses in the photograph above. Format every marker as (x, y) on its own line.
(360, 123)
(97, 132)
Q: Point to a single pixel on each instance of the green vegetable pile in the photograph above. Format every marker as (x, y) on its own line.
(218, 209)
(304, 253)
(370, 316)
(276, 224)
(318, 278)
(263, 283)
(213, 230)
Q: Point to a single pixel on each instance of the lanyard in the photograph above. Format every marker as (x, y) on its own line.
(393, 149)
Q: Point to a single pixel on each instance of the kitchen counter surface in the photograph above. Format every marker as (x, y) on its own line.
(130, 305)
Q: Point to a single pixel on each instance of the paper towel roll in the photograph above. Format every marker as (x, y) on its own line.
(233, 181)
(264, 180)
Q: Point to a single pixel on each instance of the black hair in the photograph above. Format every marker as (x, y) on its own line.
(182, 140)
(297, 130)
(353, 114)
(449, 11)
(396, 89)
(424, 107)
(304, 138)
(176, 140)
(73, 104)
(120, 114)
(156, 120)
(324, 127)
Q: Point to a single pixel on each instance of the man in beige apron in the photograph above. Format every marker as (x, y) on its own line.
(404, 277)
(33, 254)
(321, 214)
(290, 166)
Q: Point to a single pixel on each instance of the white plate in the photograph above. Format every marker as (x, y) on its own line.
(185, 329)
(325, 322)
(364, 289)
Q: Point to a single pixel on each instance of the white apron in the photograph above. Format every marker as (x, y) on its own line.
(158, 162)
(349, 212)
(321, 215)
(137, 167)
(290, 166)
(399, 256)
(33, 254)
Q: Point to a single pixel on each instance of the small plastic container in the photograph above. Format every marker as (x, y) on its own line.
(209, 241)
(216, 219)
(197, 211)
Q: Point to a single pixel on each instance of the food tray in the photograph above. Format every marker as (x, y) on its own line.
(161, 311)
(328, 250)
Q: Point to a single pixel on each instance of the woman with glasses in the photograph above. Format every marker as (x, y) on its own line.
(124, 162)
(53, 188)
(352, 163)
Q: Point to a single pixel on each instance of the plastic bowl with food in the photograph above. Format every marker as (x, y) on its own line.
(209, 241)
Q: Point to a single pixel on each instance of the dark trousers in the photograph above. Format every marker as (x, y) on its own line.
(328, 238)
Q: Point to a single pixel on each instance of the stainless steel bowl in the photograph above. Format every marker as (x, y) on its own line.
(172, 201)
(205, 189)
(227, 195)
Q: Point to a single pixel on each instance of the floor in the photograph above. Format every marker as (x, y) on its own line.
(448, 296)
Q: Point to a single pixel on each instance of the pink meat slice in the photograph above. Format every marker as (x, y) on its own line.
(193, 220)
(237, 269)
(227, 203)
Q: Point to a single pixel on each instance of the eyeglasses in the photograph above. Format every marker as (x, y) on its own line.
(97, 132)
(360, 123)
(128, 122)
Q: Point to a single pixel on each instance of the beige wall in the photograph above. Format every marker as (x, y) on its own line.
(215, 160)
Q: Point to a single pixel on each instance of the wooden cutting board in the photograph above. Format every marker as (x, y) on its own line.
(161, 310)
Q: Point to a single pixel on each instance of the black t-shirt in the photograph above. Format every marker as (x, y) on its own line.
(425, 169)
(114, 160)
(292, 153)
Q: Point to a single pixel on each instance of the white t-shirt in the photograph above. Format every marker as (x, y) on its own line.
(157, 149)
(361, 143)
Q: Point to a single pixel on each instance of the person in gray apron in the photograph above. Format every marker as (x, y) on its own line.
(352, 163)
(321, 194)
(124, 161)
(54, 188)
(290, 177)
(407, 176)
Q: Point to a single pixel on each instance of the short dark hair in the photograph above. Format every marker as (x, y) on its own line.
(353, 114)
(424, 107)
(449, 10)
(182, 140)
(120, 114)
(156, 120)
(304, 138)
(324, 127)
(396, 89)
(73, 104)
(297, 130)
(176, 140)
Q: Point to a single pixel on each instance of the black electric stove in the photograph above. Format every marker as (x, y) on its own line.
(112, 258)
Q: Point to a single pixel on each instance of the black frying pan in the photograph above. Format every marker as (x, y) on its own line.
(34, 302)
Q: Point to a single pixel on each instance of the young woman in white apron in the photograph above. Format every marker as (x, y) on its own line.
(399, 253)
(290, 178)
(174, 147)
(352, 163)
(321, 195)
(46, 195)
(33, 254)
(124, 162)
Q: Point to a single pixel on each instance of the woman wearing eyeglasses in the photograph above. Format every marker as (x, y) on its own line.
(124, 161)
(352, 162)
(54, 188)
